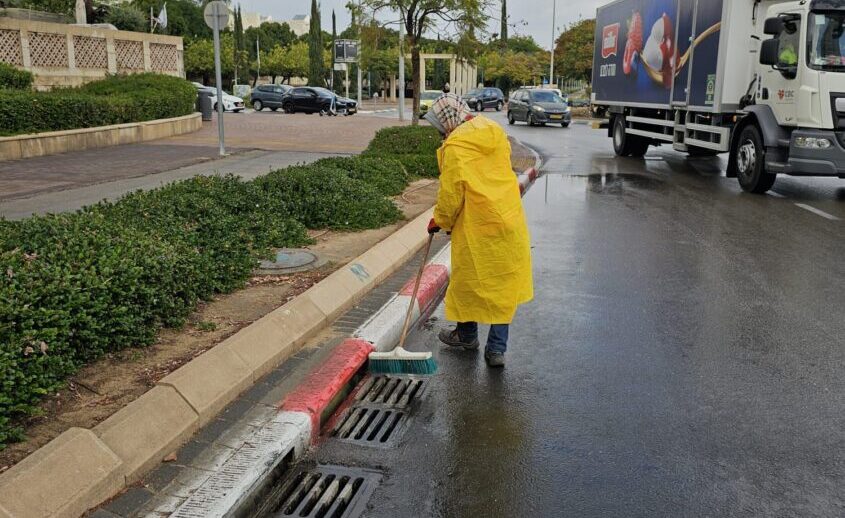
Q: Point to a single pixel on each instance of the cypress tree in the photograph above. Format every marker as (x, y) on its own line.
(316, 72)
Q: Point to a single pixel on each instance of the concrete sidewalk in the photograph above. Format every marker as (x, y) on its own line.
(247, 165)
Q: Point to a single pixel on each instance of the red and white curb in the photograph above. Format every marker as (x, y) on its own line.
(306, 409)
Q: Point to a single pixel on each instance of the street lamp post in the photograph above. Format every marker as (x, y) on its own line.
(401, 71)
(552, 68)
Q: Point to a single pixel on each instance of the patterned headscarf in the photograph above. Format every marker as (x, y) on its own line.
(448, 112)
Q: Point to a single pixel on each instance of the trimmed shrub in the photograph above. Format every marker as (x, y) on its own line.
(127, 17)
(13, 78)
(414, 146)
(406, 140)
(326, 197)
(114, 100)
(387, 175)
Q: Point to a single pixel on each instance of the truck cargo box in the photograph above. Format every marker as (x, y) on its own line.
(659, 53)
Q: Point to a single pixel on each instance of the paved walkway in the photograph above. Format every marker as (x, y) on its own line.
(258, 142)
(247, 165)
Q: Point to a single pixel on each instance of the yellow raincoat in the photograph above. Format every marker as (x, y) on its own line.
(479, 203)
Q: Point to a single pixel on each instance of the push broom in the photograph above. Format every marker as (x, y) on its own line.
(400, 360)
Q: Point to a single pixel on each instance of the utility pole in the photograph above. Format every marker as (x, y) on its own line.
(552, 68)
(402, 70)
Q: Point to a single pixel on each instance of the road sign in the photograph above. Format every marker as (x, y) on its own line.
(346, 51)
(219, 11)
(340, 67)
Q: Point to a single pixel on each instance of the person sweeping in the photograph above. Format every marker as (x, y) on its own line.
(479, 203)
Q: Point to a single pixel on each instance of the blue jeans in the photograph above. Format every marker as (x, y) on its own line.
(497, 338)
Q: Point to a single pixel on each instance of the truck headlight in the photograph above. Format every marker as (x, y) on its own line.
(813, 143)
(538, 108)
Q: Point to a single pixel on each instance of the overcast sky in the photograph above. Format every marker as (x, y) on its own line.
(531, 17)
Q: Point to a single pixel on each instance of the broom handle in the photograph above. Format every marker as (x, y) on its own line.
(416, 290)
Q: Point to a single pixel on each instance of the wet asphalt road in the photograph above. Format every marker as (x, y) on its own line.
(684, 355)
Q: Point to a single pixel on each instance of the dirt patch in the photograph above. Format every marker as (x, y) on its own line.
(104, 387)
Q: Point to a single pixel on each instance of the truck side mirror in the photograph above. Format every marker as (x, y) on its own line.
(769, 52)
(773, 26)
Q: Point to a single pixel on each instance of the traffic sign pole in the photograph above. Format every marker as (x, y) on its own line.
(217, 16)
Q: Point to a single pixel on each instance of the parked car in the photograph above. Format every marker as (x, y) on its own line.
(427, 97)
(482, 98)
(310, 99)
(231, 103)
(538, 107)
(268, 96)
(346, 106)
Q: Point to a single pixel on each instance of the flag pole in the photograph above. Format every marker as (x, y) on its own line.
(151, 19)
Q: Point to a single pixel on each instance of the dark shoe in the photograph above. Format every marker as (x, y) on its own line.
(494, 360)
(452, 338)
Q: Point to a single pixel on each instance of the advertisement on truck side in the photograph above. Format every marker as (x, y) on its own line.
(637, 54)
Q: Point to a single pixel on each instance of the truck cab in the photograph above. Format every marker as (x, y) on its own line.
(801, 74)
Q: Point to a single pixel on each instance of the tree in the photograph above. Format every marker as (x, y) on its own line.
(316, 71)
(574, 50)
(465, 16)
(268, 35)
(184, 17)
(199, 57)
(241, 55)
(513, 68)
(127, 17)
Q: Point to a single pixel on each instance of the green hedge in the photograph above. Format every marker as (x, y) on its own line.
(114, 100)
(14, 78)
(80, 285)
(414, 146)
(387, 175)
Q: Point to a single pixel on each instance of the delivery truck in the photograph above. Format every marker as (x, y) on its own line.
(760, 80)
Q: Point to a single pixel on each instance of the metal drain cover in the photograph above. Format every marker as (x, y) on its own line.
(327, 492)
(370, 425)
(291, 260)
(396, 391)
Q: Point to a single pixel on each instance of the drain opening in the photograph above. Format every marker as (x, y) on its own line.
(391, 390)
(370, 425)
(327, 492)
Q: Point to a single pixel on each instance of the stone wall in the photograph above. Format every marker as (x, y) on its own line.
(70, 55)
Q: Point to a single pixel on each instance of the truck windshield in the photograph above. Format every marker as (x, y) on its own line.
(827, 41)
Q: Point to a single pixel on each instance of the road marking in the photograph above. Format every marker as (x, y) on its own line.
(818, 212)
(776, 194)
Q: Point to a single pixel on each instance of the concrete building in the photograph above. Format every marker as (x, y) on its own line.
(300, 24)
(255, 19)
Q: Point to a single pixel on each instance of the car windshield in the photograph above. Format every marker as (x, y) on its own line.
(826, 35)
(429, 96)
(473, 93)
(547, 97)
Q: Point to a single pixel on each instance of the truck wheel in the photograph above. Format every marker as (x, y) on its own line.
(625, 144)
(751, 162)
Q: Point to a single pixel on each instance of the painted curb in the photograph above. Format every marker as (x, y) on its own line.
(140, 434)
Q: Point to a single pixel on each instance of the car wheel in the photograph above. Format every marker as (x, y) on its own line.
(751, 162)
(499, 106)
(257, 105)
(287, 108)
(479, 106)
(511, 120)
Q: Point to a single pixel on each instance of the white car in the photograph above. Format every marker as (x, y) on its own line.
(231, 103)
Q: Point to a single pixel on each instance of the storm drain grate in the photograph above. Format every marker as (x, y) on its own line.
(370, 425)
(398, 391)
(327, 492)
